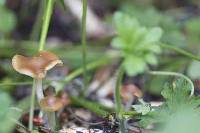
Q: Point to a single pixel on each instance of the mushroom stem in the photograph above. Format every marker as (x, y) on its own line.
(51, 120)
(31, 114)
(39, 91)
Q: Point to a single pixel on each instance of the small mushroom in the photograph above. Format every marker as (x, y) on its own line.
(49, 91)
(64, 97)
(128, 92)
(35, 67)
(50, 105)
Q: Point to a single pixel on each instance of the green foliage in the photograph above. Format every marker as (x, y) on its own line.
(6, 125)
(2, 2)
(193, 29)
(155, 83)
(143, 108)
(8, 20)
(193, 70)
(138, 44)
(35, 131)
(178, 110)
(176, 93)
(171, 28)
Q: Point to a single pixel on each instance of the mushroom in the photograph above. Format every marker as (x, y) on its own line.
(35, 67)
(50, 105)
(128, 92)
(64, 97)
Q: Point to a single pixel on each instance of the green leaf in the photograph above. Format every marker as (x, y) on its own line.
(143, 109)
(8, 20)
(151, 59)
(118, 43)
(125, 27)
(6, 125)
(137, 43)
(185, 120)
(134, 65)
(177, 100)
(153, 35)
(176, 93)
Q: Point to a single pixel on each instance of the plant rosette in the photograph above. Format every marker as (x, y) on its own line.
(138, 44)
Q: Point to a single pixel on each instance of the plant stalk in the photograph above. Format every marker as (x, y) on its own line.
(31, 114)
(51, 120)
(96, 108)
(37, 85)
(45, 25)
(39, 90)
(36, 90)
(83, 40)
(181, 51)
(118, 104)
(34, 36)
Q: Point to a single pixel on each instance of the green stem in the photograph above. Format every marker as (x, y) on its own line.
(118, 104)
(129, 113)
(181, 51)
(31, 114)
(37, 25)
(51, 120)
(83, 40)
(16, 83)
(45, 24)
(175, 74)
(117, 90)
(90, 66)
(37, 84)
(96, 108)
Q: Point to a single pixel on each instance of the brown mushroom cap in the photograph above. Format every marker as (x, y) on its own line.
(130, 90)
(51, 104)
(36, 66)
(64, 98)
